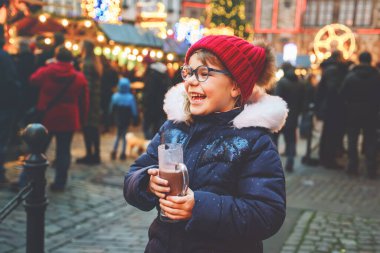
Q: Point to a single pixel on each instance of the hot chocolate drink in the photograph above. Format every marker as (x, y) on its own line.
(175, 178)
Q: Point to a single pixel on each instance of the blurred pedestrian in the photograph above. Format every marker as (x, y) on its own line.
(361, 94)
(330, 109)
(123, 106)
(47, 54)
(292, 91)
(109, 81)
(9, 102)
(25, 66)
(307, 123)
(236, 195)
(92, 68)
(61, 83)
(156, 84)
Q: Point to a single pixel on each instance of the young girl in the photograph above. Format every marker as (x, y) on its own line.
(223, 118)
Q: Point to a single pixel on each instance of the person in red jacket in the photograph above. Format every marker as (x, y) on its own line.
(69, 111)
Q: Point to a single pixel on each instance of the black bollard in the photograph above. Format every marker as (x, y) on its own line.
(35, 136)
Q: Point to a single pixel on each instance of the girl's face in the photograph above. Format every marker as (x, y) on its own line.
(217, 94)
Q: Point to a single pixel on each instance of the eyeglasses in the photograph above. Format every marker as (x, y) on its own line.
(201, 72)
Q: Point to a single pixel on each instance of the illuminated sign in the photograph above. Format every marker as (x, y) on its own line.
(334, 37)
(152, 16)
(290, 53)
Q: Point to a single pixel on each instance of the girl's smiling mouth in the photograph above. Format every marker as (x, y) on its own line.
(196, 97)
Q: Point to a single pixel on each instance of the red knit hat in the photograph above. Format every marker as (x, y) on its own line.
(242, 59)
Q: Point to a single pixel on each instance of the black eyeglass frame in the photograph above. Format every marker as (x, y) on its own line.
(195, 71)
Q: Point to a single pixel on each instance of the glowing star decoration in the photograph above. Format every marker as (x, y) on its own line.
(102, 10)
(189, 29)
(334, 37)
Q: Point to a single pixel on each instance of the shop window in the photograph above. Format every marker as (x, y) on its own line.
(356, 12)
(319, 12)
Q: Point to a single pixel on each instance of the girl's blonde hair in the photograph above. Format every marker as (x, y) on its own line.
(267, 77)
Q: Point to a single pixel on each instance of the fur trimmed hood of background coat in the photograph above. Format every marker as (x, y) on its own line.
(262, 109)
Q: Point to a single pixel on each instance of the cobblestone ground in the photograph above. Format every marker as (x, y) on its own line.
(332, 232)
(335, 213)
(339, 214)
(92, 203)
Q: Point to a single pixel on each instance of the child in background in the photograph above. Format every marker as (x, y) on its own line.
(123, 105)
(223, 118)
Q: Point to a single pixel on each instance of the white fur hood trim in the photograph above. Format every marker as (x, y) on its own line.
(268, 111)
(174, 103)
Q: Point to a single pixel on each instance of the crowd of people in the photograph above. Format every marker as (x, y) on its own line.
(347, 100)
(68, 93)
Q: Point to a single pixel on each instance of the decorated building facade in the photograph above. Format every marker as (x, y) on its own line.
(298, 22)
(317, 26)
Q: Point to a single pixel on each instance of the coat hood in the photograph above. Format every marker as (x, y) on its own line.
(61, 71)
(159, 66)
(124, 85)
(262, 110)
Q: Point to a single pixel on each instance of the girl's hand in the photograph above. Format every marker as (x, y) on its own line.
(157, 186)
(178, 207)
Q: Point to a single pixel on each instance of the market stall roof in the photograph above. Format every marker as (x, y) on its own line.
(128, 34)
(302, 61)
(174, 46)
(30, 25)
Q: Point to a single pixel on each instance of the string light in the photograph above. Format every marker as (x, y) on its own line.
(98, 50)
(100, 38)
(65, 22)
(160, 54)
(68, 44)
(170, 57)
(42, 18)
(87, 23)
(47, 41)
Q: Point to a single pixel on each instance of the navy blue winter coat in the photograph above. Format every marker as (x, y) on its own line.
(237, 179)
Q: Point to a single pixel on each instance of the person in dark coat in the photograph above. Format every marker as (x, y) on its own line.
(92, 69)
(156, 84)
(25, 66)
(9, 102)
(236, 195)
(292, 91)
(330, 109)
(361, 95)
(123, 106)
(68, 114)
(109, 81)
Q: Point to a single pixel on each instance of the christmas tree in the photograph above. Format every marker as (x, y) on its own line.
(229, 13)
